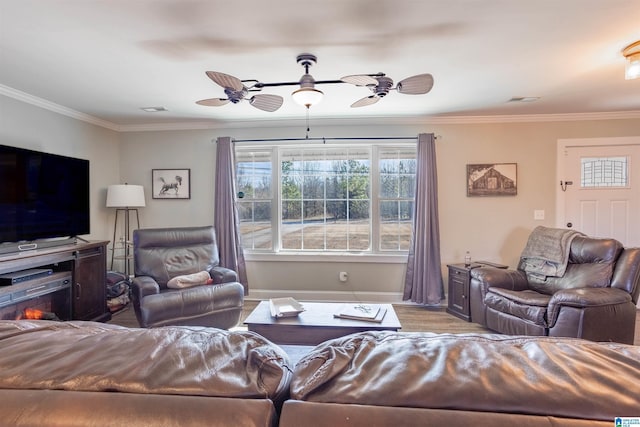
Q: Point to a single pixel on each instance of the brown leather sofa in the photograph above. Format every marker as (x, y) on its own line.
(79, 374)
(161, 254)
(421, 379)
(594, 299)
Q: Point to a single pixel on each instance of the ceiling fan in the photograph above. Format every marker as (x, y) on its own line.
(380, 85)
(238, 90)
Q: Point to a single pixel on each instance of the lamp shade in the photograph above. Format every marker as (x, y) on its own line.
(632, 55)
(632, 69)
(125, 196)
(307, 96)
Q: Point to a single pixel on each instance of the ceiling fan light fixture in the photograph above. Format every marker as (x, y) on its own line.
(632, 66)
(307, 96)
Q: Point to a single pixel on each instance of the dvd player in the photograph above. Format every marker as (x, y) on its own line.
(24, 275)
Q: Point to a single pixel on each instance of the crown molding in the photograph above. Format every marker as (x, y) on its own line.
(271, 123)
(525, 118)
(382, 120)
(386, 120)
(56, 108)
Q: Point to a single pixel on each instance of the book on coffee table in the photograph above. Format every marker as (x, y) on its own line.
(285, 307)
(366, 312)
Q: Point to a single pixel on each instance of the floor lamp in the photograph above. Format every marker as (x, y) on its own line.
(125, 198)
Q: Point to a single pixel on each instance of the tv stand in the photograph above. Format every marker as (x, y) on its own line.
(8, 248)
(86, 262)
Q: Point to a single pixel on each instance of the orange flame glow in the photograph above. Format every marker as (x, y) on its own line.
(32, 313)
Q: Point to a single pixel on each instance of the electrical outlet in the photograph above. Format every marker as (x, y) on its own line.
(538, 214)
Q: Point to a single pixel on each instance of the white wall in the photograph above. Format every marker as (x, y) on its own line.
(144, 151)
(27, 126)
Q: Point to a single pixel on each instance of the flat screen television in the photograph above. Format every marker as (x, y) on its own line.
(42, 197)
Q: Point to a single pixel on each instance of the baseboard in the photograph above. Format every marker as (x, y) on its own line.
(382, 297)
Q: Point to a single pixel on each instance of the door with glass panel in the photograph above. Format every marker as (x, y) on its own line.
(601, 190)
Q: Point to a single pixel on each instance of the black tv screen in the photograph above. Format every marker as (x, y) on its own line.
(42, 195)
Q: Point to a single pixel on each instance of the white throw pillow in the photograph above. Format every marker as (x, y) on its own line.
(189, 280)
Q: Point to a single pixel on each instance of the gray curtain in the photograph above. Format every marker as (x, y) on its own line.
(226, 220)
(423, 280)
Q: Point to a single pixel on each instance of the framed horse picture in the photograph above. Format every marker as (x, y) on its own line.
(171, 184)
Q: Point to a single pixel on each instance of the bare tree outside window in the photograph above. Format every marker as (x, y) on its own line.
(254, 183)
(397, 193)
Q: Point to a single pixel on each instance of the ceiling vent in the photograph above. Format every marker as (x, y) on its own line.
(524, 99)
(153, 109)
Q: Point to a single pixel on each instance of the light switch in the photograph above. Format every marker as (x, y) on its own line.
(538, 214)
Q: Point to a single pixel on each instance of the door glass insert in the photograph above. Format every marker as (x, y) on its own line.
(604, 172)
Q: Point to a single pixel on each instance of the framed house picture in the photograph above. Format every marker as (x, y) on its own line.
(171, 184)
(492, 179)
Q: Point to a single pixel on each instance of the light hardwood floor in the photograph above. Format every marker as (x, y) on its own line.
(413, 318)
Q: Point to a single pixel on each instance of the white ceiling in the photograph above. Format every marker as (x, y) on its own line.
(109, 58)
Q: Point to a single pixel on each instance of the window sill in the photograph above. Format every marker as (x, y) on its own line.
(325, 257)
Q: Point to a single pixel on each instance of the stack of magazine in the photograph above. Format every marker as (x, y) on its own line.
(358, 311)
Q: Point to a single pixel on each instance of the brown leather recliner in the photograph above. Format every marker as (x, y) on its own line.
(161, 254)
(594, 299)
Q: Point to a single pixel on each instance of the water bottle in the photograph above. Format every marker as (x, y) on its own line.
(467, 259)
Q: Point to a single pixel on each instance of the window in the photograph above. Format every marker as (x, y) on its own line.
(397, 192)
(598, 172)
(327, 198)
(254, 176)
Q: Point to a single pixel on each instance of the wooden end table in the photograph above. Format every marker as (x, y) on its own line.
(459, 304)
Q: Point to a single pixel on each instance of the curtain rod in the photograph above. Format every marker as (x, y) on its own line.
(349, 138)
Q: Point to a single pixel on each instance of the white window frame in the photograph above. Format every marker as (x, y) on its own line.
(374, 255)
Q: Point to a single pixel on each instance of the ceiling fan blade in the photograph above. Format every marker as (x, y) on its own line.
(225, 80)
(360, 80)
(416, 85)
(266, 102)
(213, 102)
(367, 100)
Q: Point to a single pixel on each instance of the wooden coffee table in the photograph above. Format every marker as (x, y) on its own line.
(314, 325)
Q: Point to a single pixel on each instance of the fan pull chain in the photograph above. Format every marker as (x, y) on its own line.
(307, 122)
